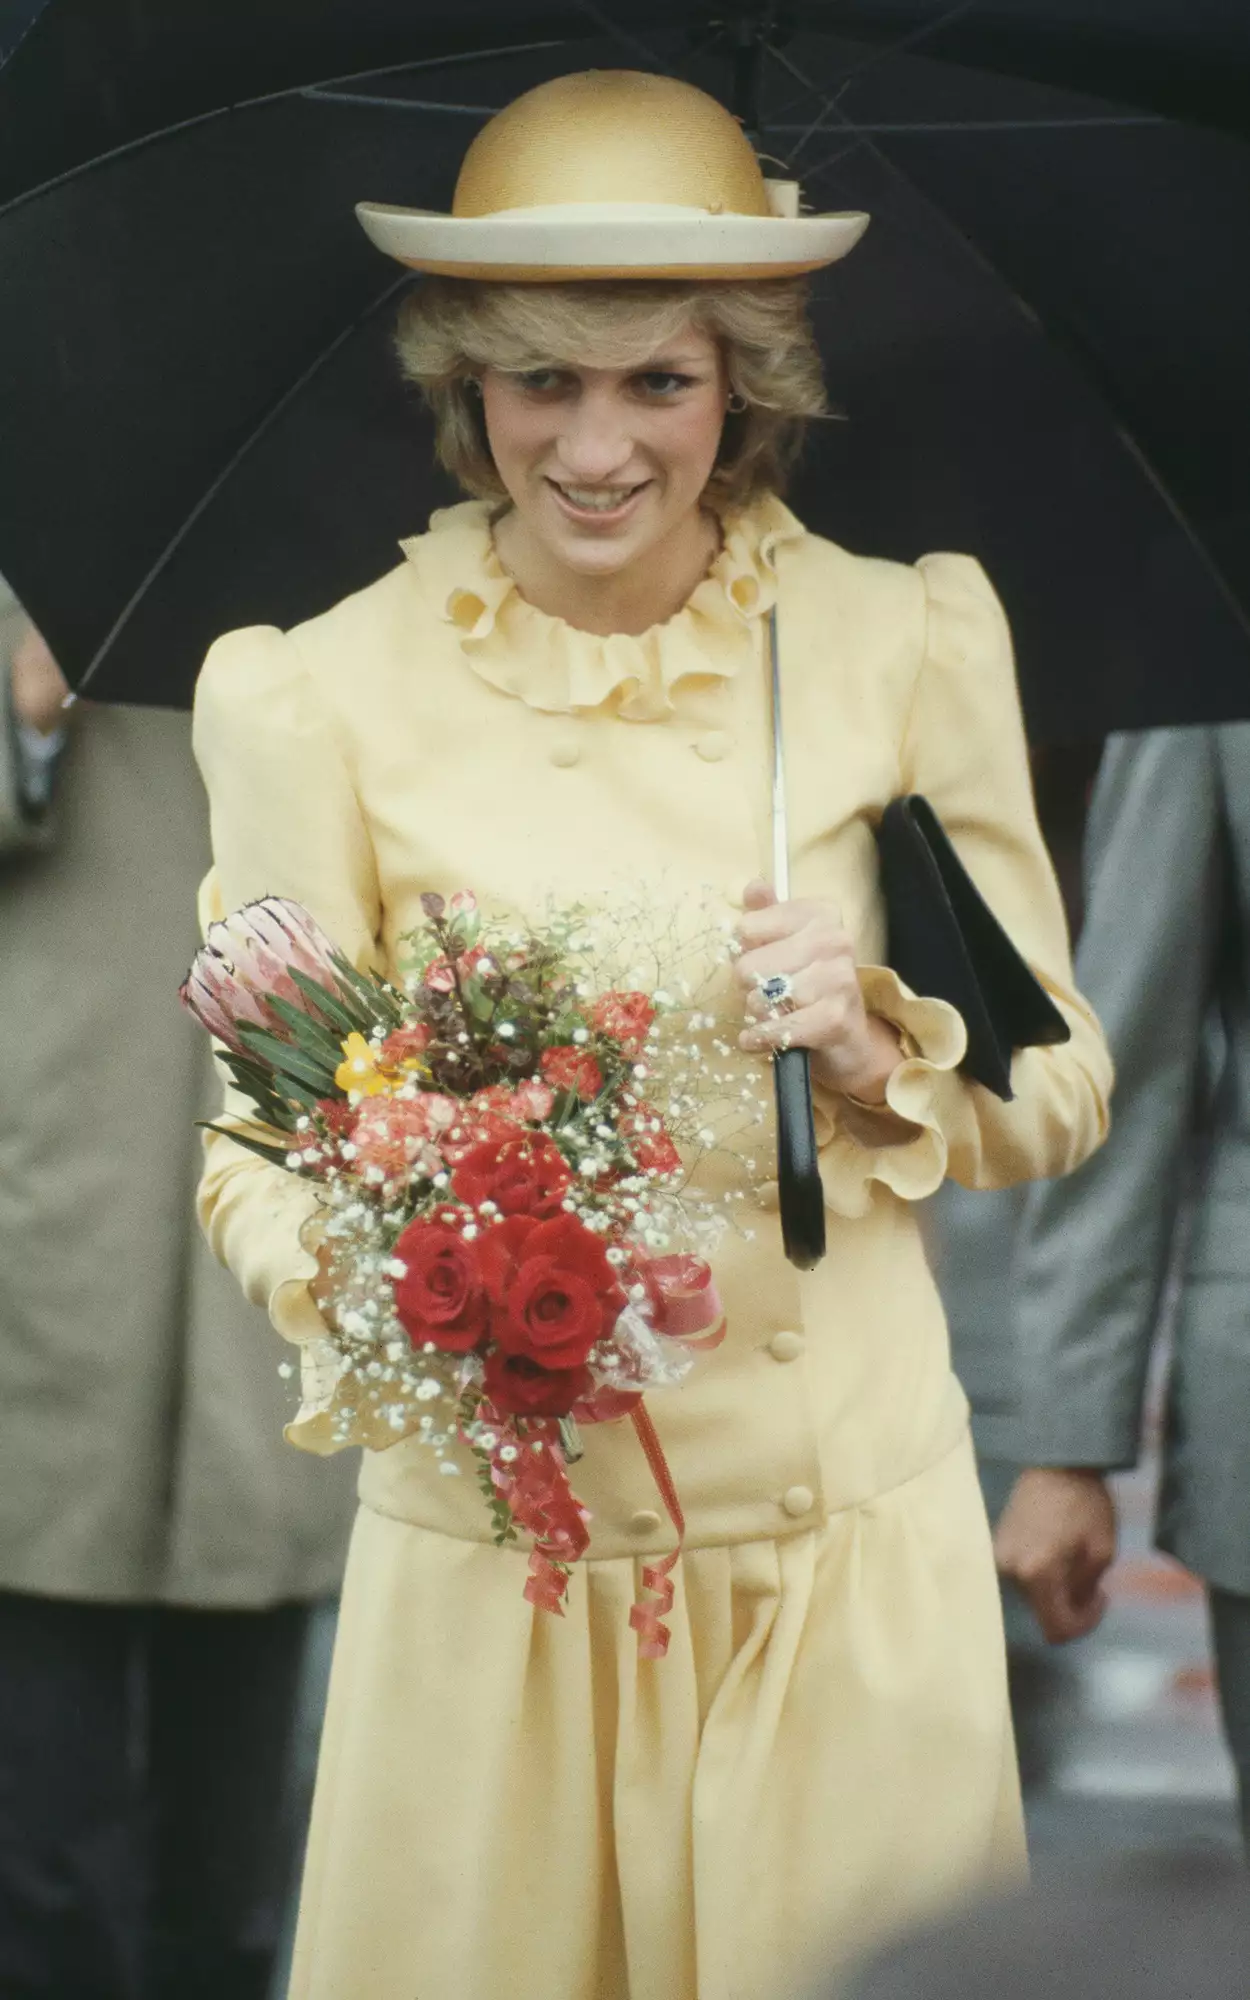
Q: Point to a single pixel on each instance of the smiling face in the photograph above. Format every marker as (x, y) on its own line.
(605, 466)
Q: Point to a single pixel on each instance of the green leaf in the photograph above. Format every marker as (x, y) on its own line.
(381, 1000)
(274, 1155)
(301, 1094)
(287, 1061)
(258, 1084)
(344, 1020)
(311, 1036)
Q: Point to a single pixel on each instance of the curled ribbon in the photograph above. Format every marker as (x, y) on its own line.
(647, 1620)
(685, 1307)
(535, 1487)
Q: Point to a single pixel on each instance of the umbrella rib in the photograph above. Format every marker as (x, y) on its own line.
(1130, 119)
(1224, 590)
(267, 421)
(7, 55)
(317, 93)
(252, 103)
(911, 40)
(613, 29)
(456, 59)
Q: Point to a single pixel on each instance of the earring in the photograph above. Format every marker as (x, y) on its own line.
(736, 404)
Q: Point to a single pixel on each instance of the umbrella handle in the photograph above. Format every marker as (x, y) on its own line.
(800, 1192)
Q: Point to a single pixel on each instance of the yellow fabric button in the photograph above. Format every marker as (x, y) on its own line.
(644, 1522)
(786, 1346)
(798, 1500)
(565, 753)
(713, 745)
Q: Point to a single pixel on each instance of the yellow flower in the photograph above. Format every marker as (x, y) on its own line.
(358, 1071)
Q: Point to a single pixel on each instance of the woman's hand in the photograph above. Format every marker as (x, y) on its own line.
(852, 1051)
(39, 686)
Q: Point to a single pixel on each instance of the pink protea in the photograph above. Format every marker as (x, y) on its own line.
(246, 959)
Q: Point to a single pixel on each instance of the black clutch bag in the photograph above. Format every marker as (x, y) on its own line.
(945, 942)
(943, 939)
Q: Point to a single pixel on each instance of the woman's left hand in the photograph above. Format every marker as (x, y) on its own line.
(852, 1051)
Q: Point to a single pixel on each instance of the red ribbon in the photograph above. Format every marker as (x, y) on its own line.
(647, 1620)
(686, 1308)
(536, 1489)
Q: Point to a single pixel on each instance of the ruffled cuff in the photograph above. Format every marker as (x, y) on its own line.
(912, 1167)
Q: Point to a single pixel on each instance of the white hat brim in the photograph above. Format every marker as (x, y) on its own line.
(602, 240)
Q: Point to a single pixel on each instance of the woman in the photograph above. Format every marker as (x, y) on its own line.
(563, 691)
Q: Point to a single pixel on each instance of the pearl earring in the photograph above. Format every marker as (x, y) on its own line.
(736, 404)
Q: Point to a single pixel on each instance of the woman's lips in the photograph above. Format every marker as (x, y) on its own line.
(592, 516)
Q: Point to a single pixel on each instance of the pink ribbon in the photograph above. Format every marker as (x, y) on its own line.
(535, 1487)
(647, 1620)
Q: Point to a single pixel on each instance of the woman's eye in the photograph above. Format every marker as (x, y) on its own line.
(663, 382)
(541, 381)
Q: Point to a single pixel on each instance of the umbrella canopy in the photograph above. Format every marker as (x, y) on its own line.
(1038, 348)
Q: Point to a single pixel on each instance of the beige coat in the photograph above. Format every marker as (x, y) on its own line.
(510, 1802)
(141, 1456)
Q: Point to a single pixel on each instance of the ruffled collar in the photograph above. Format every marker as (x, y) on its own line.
(556, 667)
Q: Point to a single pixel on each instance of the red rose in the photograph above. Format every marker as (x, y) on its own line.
(440, 1296)
(524, 1174)
(647, 1137)
(553, 1290)
(520, 1388)
(570, 1068)
(626, 1017)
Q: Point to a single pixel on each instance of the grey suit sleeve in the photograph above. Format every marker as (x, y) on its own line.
(1094, 1249)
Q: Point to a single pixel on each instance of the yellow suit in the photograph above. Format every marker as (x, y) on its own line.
(510, 1802)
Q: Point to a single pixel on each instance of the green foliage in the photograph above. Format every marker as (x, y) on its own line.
(503, 1529)
(256, 1081)
(381, 1002)
(274, 1155)
(344, 1019)
(290, 1064)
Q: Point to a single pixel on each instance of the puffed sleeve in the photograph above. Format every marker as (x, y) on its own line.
(285, 821)
(964, 749)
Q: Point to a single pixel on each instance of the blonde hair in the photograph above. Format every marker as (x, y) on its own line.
(450, 329)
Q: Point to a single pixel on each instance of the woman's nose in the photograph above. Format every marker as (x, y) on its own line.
(594, 442)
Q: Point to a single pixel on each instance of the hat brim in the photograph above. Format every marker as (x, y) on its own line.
(590, 240)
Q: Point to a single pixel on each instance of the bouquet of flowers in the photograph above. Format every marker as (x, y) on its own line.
(507, 1237)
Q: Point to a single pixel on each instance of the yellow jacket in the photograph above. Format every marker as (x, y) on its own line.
(435, 731)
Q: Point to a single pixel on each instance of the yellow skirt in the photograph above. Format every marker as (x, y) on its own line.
(510, 1803)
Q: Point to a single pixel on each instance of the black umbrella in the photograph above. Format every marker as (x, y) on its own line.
(203, 426)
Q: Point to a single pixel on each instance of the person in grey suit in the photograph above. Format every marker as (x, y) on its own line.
(32, 728)
(1165, 960)
(161, 1547)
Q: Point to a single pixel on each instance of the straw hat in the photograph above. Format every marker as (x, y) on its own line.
(613, 174)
